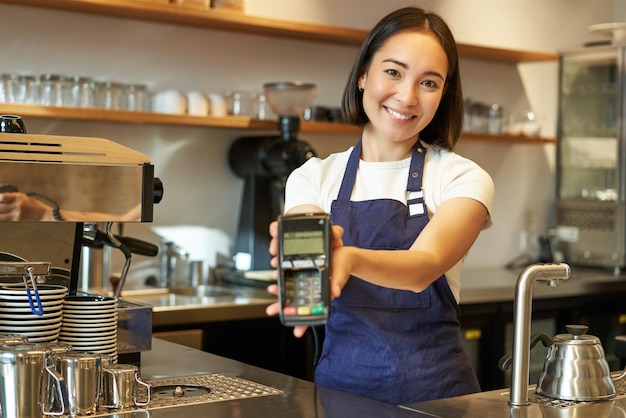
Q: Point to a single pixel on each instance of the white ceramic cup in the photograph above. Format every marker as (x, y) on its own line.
(197, 104)
(218, 105)
(169, 101)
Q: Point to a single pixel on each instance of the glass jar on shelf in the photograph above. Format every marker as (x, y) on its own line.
(111, 95)
(83, 91)
(54, 90)
(8, 87)
(494, 119)
(138, 97)
(28, 89)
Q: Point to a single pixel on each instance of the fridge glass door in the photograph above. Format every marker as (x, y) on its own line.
(589, 125)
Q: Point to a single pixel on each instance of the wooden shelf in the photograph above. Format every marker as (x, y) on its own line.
(239, 22)
(506, 138)
(152, 118)
(227, 122)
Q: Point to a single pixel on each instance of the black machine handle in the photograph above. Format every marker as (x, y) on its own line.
(134, 245)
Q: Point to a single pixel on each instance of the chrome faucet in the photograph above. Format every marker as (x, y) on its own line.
(552, 273)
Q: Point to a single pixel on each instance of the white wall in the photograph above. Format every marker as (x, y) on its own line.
(531, 24)
(200, 189)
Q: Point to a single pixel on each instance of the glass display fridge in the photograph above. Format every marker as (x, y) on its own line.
(590, 209)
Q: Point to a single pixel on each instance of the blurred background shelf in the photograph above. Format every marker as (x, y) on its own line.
(227, 122)
(170, 12)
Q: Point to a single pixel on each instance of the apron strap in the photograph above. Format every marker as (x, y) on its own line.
(416, 171)
(415, 196)
(349, 176)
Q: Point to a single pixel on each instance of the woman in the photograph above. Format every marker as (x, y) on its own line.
(406, 210)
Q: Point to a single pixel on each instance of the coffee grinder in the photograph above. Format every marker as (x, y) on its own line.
(264, 163)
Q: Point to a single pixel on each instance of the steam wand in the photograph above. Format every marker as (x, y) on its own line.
(127, 255)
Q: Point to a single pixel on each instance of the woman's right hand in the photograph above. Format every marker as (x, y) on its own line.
(337, 242)
(274, 308)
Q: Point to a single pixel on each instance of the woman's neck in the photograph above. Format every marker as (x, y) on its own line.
(373, 149)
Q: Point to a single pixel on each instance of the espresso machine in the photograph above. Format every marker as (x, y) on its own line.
(264, 162)
(89, 181)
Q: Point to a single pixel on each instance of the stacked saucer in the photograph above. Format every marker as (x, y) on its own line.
(41, 322)
(90, 324)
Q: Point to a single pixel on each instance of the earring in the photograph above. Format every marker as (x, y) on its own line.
(361, 89)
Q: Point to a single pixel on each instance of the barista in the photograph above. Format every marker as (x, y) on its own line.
(405, 210)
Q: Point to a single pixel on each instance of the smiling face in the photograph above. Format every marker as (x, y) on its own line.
(402, 88)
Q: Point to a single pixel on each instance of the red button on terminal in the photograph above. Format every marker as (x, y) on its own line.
(289, 310)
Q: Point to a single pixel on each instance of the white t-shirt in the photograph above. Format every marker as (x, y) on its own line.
(446, 175)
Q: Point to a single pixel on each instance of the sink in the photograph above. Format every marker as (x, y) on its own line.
(202, 291)
(217, 291)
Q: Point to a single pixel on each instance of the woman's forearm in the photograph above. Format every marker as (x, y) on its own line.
(398, 269)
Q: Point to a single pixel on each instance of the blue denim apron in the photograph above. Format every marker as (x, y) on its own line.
(395, 346)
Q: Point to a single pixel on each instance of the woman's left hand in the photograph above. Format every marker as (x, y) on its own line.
(274, 309)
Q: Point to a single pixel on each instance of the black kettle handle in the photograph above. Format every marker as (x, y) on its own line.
(545, 339)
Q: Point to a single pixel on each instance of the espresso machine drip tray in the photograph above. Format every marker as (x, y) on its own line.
(189, 390)
(192, 390)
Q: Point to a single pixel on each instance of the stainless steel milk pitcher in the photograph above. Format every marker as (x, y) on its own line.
(28, 381)
(82, 374)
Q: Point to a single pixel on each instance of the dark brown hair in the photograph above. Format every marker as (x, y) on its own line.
(445, 128)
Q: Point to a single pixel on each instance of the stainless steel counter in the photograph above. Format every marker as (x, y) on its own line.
(230, 302)
(494, 404)
(202, 305)
(302, 399)
(498, 285)
(298, 398)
